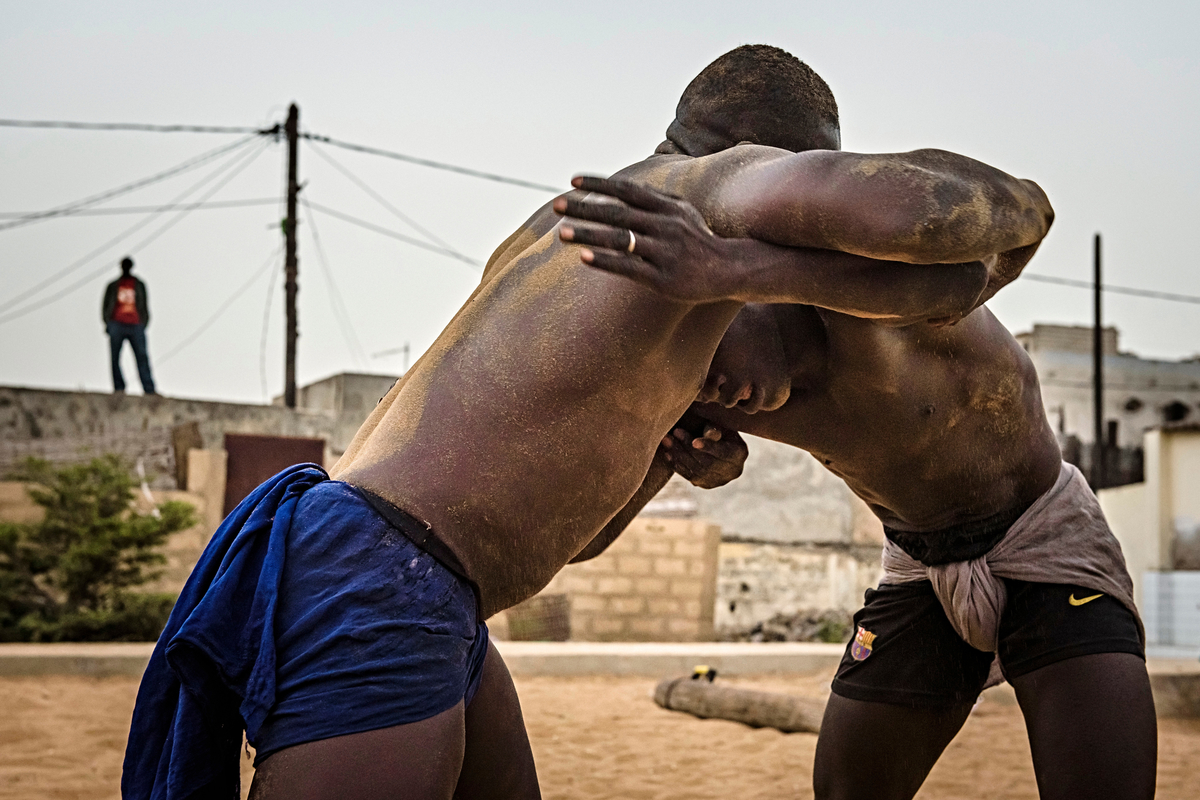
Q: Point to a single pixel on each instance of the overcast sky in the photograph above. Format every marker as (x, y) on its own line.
(1098, 102)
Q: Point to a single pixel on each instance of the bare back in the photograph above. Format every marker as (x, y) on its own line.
(481, 438)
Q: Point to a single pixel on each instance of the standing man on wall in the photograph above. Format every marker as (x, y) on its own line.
(126, 314)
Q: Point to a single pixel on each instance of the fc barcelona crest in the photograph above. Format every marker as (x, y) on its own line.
(863, 640)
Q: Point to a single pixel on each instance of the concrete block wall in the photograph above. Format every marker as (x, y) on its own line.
(657, 582)
(758, 580)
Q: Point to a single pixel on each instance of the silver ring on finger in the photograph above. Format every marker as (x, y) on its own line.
(632, 242)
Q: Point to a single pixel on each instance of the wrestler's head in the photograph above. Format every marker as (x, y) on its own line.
(758, 94)
(126, 265)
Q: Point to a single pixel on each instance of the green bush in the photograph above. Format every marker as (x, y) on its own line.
(68, 577)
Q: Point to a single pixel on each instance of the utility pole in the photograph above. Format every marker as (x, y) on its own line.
(292, 129)
(1098, 475)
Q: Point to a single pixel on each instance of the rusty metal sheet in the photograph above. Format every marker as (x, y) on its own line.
(253, 459)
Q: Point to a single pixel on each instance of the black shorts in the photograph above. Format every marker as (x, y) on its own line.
(905, 651)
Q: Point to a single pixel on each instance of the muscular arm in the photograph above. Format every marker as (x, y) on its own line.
(677, 254)
(758, 272)
(922, 207)
(852, 228)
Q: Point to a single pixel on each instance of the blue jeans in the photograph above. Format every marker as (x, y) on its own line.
(118, 332)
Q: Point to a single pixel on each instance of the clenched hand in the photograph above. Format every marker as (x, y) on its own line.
(713, 458)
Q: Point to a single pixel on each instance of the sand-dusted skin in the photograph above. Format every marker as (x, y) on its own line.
(935, 419)
(531, 429)
(547, 352)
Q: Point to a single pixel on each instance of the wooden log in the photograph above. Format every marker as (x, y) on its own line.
(756, 709)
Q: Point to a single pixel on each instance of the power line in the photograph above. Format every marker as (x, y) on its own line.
(1108, 287)
(116, 239)
(393, 234)
(336, 304)
(381, 199)
(1124, 387)
(191, 163)
(101, 212)
(262, 340)
(274, 131)
(131, 126)
(425, 162)
(237, 169)
(228, 302)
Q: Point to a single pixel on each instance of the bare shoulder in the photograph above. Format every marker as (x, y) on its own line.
(534, 228)
(694, 179)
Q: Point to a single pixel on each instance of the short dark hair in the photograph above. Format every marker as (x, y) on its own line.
(760, 94)
(126, 264)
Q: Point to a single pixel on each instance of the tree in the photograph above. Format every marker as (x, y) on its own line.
(68, 577)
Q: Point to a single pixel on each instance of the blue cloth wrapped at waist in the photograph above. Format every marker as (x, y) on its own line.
(307, 616)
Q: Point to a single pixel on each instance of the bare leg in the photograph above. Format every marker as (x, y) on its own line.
(1091, 727)
(879, 751)
(420, 760)
(498, 761)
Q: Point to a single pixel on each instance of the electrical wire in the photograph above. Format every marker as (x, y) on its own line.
(262, 341)
(381, 199)
(1122, 387)
(132, 126)
(425, 162)
(91, 200)
(1108, 287)
(118, 238)
(274, 257)
(393, 234)
(101, 212)
(336, 304)
(20, 312)
(273, 131)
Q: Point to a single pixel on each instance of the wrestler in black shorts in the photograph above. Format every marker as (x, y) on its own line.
(906, 652)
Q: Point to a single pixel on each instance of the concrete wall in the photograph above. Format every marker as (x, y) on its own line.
(1125, 509)
(1158, 521)
(349, 396)
(785, 496)
(15, 504)
(1173, 499)
(655, 583)
(794, 537)
(70, 426)
(756, 581)
(206, 493)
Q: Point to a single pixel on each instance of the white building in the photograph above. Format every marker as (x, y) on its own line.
(1139, 393)
(1158, 524)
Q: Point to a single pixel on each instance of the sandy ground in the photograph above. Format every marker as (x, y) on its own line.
(592, 737)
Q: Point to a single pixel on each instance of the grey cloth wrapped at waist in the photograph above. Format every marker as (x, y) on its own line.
(1062, 538)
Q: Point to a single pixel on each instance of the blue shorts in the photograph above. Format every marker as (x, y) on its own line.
(370, 630)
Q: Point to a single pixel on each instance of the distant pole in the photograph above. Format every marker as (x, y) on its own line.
(292, 128)
(1097, 375)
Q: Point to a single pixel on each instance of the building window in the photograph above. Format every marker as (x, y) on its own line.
(1175, 412)
(1133, 404)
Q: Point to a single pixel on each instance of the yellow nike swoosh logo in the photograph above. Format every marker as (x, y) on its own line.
(1082, 600)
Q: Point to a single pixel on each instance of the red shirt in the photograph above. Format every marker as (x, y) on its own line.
(126, 310)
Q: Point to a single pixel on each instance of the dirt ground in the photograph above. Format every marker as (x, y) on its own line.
(592, 737)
